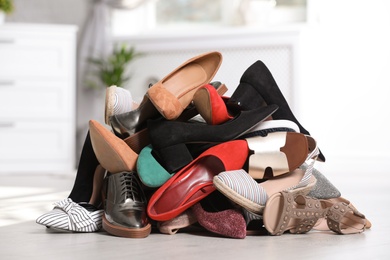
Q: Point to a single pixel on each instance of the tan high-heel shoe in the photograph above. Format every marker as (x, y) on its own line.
(113, 153)
(174, 92)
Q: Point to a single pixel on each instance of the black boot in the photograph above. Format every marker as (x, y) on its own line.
(83, 185)
(258, 88)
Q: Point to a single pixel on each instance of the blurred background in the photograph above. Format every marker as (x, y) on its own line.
(331, 59)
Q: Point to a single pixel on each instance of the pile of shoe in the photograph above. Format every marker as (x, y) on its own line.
(189, 156)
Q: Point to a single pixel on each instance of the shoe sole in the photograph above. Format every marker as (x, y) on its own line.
(113, 153)
(121, 231)
(109, 104)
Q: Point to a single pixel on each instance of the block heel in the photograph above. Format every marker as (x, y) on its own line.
(174, 157)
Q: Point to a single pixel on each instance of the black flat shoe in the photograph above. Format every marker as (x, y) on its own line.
(169, 138)
(258, 88)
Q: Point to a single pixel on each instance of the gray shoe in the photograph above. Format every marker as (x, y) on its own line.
(125, 206)
(323, 189)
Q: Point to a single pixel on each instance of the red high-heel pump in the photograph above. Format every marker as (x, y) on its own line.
(211, 106)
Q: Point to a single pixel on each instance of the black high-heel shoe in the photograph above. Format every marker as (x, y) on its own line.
(169, 138)
(258, 88)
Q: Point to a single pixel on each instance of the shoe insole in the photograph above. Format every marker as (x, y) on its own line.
(192, 184)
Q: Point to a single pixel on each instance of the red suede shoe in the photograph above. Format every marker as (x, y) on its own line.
(211, 106)
(195, 181)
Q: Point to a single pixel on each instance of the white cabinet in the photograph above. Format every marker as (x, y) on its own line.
(37, 98)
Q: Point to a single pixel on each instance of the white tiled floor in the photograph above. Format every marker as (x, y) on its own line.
(23, 198)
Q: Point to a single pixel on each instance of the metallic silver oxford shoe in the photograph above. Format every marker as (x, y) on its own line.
(125, 206)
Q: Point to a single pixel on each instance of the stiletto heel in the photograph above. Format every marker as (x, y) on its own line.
(174, 157)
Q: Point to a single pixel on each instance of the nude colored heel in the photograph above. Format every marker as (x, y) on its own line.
(174, 92)
(113, 153)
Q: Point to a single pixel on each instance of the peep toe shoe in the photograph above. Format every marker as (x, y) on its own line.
(169, 138)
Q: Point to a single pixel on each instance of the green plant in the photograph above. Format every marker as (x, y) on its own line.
(7, 6)
(112, 70)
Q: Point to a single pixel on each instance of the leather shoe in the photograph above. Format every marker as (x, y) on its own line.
(195, 181)
(125, 206)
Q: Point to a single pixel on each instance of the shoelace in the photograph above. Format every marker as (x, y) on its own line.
(129, 186)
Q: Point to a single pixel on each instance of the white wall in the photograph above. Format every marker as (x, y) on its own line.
(345, 92)
(74, 12)
(345, 78)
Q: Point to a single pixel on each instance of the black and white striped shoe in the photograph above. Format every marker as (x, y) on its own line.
(70, 216)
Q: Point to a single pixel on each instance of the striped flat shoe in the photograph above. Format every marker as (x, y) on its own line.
(70, 216)
(242, 189)
(118, 101)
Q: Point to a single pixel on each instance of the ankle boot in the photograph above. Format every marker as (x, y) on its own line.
(258, 88)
